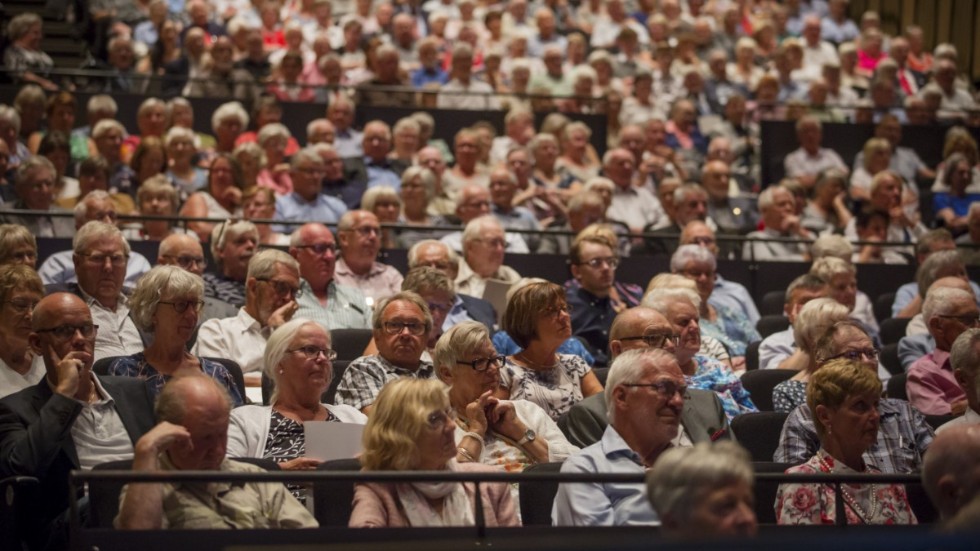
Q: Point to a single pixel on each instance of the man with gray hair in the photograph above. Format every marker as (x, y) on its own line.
(180, 249)
(439, 256)
(473, 201)
(484, 246)
(320, 131)
(305, 202)
(777, 206)
(645, 394)
(964, 358)
(359, 235)
(952, 479)
(932, 386)
(462, 91)
(232, 246)
(271, 290)
(34, 186)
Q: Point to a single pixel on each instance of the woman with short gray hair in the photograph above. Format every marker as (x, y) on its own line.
(24, 55)
(166, 303)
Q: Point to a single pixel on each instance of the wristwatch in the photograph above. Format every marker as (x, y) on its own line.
(529, 436)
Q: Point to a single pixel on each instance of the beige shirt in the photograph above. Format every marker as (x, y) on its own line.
(470, 283)
(98, 432)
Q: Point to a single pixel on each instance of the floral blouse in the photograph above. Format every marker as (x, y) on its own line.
(556, 390)
(787, 395)
(814, 503)
(717, 377)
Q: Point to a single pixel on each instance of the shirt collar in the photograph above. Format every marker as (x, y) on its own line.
(613, 446)
(423, 372)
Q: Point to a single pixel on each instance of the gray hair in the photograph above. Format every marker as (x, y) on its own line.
(272, 130)
(942, 300)
(691, 253)
(263, 264)
(964, 353)
(93, 231)
(814, 319)
(149, 103)
(661, 299)
(171, 404)
(372, 195)
(178, 132)
(461, 340)
(426, 176)
(154, 285)
(101, 103)
(405, 296)
(413, 253)
(628, 368)
(766, 198)
(10, 116)
(827, 267)
(13, 235)
(106, 125)
(938, 263)
(227, 230)
(81, 207)
(22, 23)
(683, 190)
(31, 164)
(228, 110)
(832, 245)
(278, 344)
(806, 281)
(406, 123)
(476, 226)
(307, 154)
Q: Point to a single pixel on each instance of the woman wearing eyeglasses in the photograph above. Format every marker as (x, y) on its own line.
(20, 290)
(412, 428)
(509, 434)
(844, 397)
(297, 360)
(166, 303)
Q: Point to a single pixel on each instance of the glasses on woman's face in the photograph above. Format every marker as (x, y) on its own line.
(311, 352)
(861, 354)
(181, 306)
(482, 364)
(439, 420)
(22, 305)
(555, 311)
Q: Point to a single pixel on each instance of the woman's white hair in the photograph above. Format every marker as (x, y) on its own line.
(691, 253)
(277, 346)
(814, 319)
(228, 110)
(831, 245)
(827, 267)
(461, 340)
(272, 130)
(154, 285)
(661, 299)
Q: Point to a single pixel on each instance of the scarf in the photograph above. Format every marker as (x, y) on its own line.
(456, 507)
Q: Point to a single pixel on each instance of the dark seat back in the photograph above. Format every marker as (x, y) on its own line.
(101, 366)
(759, 433)
(16, 493)
(767, 325)
(895, 388)
(333, 501)
(350, 343)
(752, 356)
(772, 303)
(883, 304)
(890, 359)
(236, 373)
(893, 329)
(537, 498)
(601, 373)
(760, 383)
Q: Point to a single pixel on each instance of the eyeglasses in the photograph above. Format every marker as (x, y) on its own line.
(282, 288)
(117, 260)
(181, 306)
(696, 274)
(67, 331)
(870, 354)
(555, 311)
(667, 389)
(187, 261)
(971, 320)
(439, 420)
(610, 261)
(320, 248)
(396, 327)
(442, 266)
(22, 305)
(313, 352)
(483, 364)
(477, 205)
(366, 231)
(493, 242)
(657, 340)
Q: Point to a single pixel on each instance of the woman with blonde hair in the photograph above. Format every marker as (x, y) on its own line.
(20, 290)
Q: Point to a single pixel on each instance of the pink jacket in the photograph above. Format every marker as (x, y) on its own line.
(377, 505)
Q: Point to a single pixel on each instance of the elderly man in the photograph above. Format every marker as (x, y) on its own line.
(703, 416)
(952, 479)
(904, 160)
(779, 349)
(192, 434)
(636, 207)
(438, 255)
(72, 419)
(964, 358)
(305, 202)
(441, 203)
(100, 255)
(270, 289)
(584, 209)
(730, 294)
(932, 386)
(886, 196)
(321, 298)
(180, 249)
(484, 245)
(334, 184)
(908, 301)
(730, 214)
(347, 139)
(503, 188)
(917, 341)
(388, 88)
(359, 233)
(807, 162)
(34, 187)
(97, 205)
(972, 236)
(463, 91)
(474, 201)
(685, 204)
(232, 246)
(374, 168)
(402, 324)
(320, 131)
(777, 205)
(645, 397)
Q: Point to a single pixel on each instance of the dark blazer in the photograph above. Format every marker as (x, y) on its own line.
(35, 438)
(480, 310)
(356, 174)
(703, 416)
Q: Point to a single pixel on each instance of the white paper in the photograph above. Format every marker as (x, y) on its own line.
(326, 440)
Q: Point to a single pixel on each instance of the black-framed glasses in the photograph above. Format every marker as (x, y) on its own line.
(483, 364)
(181, 306)
(610, 261)
(970, 320)
(396, 327)
(657, 340)
(98, 259)
(320, 248)
(22, 305)
(870, 354)
(188, 262)
(313, 352)
(366, 231)
(667, 389)
(281, 287)
(67, 330)
(438, 420)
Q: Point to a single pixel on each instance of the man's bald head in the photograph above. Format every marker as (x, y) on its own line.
(182, 250)
(951, 472)
(51, 308)
(636, 322)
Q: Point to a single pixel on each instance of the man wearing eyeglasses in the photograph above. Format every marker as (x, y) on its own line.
(96, 205)
(35, 185)
(402, 324)
(322, 299)
(307, 170)
(359, 234)
(271, 290)
(439, 256)
(702, 417)
(484, 246)
(72, 419)
(474, 202)
(182, 250)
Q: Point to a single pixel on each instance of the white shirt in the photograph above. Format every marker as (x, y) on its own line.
(971, 417)
(241, 338)
(476, 96)
(636, 207)
(775, 348)
(98, 432)
(801, 163)
(515, 242)
(470, 283)
(117, 334)
(11, 381)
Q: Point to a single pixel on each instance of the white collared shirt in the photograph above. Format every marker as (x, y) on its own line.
(11, 381)
(241, 338)
(117, 334)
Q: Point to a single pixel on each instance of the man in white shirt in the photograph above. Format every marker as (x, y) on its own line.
(964, 358)
(462, 92)
(637, 207)
(484, 245)
(807, 162)
(816, 52)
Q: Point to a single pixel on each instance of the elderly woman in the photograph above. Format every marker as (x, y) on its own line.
(537, 318)
(704, 492)
(221, 198)
(252, 161)
(544, 153)
(24, 55)
(166, 303)
(841, 278)
(405, 140)
(827, 210)
(680, 307)
(149, 159)
(503, 433)
(417, 190)
(814, 319)
(273, 139)
(297, 360)
(575, 158)
(232, 246)
(877, 157)
(710, 346)
(20, 290)
(731, 327)
(227, 123)
(156, 197)
(259, 203)
(384, 202)
(412, 428)
(956, 192)
(17, 246)
(844, 397)
(180, 148)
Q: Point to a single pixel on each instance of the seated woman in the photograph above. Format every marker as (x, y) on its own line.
(297, 360)
(417, 190)
(955, 193)
(166, 303)
(187, 178)
(814, 319)
(502, 433)
(20, 290)
(710, 346)
(843, 396)
(877, 157)
(412, 428)
(384, 202)
(731, 327)
(17, 246)
(259, 203)
(221, 198)
(827, 209)
(538, 320)
(156, 197)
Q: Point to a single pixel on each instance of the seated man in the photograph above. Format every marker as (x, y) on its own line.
(732, 214)
(779, 350)
(972, 236)
(192, 434)
(305, 202)
(374, 168)
(503, 188)
(637, 207)
(687, 203)
(484, 245)
(887, 197)
(702, 418)
(72, 419)
(951, 477)
(438, 255)
(472, 202)
(270, 301)
(359, 233)
(908, 300)
(964, 358)
(584, 209)
(730, 294)
(100, 258)
(34, 187)
(807, 162)
(402, 324)
(97, 205)
(180, 249)
(777, 206)
(232, 247)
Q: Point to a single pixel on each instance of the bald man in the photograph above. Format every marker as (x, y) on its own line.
(182, 250)
(951, 476)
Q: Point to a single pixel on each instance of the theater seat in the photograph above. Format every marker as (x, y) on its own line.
(752, 356)
(767, 325)
(760, 383)
(333, 501)
(537, 498)
(759, 432)
(350, 343)
(893, 329)
(16, 492)
(883, 306)
(895, 388)
(772, 303)
(889, 358)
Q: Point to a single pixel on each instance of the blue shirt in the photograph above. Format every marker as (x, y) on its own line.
(734, 296)
(422, 76)
(60, 269)
(776, 347)
(907, 293)
(505, 345)
(380, 174)
(960, 205)
(604, 504)
(323, 208)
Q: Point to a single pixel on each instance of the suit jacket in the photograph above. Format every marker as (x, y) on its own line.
(702, 417)
(356, 173)
(480, 310)
(35, 438)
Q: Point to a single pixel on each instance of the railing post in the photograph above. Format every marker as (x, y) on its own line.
(479, 519)
(840, 514)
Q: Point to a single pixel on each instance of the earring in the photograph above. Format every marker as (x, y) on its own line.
(280, 372)
(830, 429)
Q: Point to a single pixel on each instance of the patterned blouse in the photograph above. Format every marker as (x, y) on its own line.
(555, 390)
(788, 394)
(137, 366)
(814, 503)
(715, 376)
(732, 328)
(287, 440)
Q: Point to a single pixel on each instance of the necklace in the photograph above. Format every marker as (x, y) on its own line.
(865, 516)
(523, 357)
